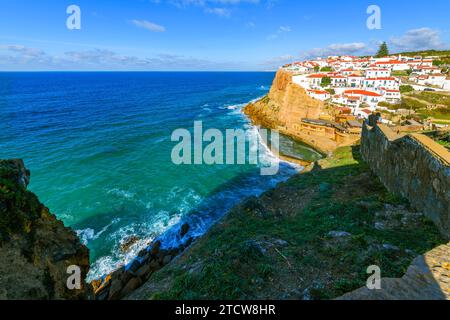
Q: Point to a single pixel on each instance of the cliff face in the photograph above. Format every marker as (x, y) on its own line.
(35, 248)
(285, 105)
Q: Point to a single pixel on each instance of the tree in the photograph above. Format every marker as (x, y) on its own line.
(331, 91)
(326, 69)
(383, 51)
(316, 68)
(326, 81)
(406, 88)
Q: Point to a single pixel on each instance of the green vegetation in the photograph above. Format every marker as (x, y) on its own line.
(331, 91)
(316, 69)
(326, 81)
(18, 207)
(406, 88)
(433, 98)
(444, 143)
(406, 103)
(440, 113)
(279, 246)
(383, 51)
(444, 56)
(326, 69)
(403, 73)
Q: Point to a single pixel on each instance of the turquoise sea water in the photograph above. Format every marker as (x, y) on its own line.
(98, 147)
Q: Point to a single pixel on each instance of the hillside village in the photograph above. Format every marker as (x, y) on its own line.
(409, 92)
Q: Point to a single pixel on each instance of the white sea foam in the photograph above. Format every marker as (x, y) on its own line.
(89, 234)
(165, 227)
(121, 193)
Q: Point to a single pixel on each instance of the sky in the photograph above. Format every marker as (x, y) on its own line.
(208, 35)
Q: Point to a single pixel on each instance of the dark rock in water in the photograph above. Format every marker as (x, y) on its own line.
(36, 249)
(128, 242)
(155, 247)
(184, 230)
(188, 242)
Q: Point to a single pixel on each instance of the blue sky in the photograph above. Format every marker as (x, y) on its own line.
(208, 34)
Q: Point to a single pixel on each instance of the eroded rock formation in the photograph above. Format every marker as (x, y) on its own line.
(35, 247)
(285, 104)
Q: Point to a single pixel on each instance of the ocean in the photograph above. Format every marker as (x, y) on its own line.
(98, 145)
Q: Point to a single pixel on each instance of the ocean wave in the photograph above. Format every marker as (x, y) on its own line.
(121, 193)
(89, 234)
(117, 258)
(199, 212)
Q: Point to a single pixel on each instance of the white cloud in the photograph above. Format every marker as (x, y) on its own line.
(222, 12)
(418, 39)
(281, 30)
(285, 29)
(354, 48)
(275, 62)
(222, 8)
(151, 26)
(24, 51)
(18, 57)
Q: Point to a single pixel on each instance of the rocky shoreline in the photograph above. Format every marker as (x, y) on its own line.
(123, 281)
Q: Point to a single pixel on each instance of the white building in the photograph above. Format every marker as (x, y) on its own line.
(355, 81)
(338, 81)
(377, 72)
(391, 95)
(319, 94)
(370, 97)
(385, 82)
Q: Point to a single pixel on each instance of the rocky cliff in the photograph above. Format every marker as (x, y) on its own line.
(35, 247)
(285, 104)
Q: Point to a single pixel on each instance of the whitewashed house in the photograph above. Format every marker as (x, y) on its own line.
(319, 94)
(391, 95)
(355, 81)
(377, 72)
(385, 82)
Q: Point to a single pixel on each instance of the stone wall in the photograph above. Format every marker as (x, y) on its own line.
(413, 166)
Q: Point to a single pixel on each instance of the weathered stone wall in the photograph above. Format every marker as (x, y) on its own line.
(413, 166)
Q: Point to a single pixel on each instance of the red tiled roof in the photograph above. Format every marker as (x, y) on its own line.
(382, 78)
(318, 91)
(318, 75)
(362, 92)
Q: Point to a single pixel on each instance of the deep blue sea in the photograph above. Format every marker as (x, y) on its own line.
(99, 150)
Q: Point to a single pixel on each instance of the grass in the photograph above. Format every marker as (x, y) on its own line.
(433, 98)
(444, 143)
(440, 113)
(277, 246)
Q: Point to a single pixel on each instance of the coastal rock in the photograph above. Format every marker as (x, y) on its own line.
(124, 281)
(36, 248)
(127, 243)
(184, 230)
